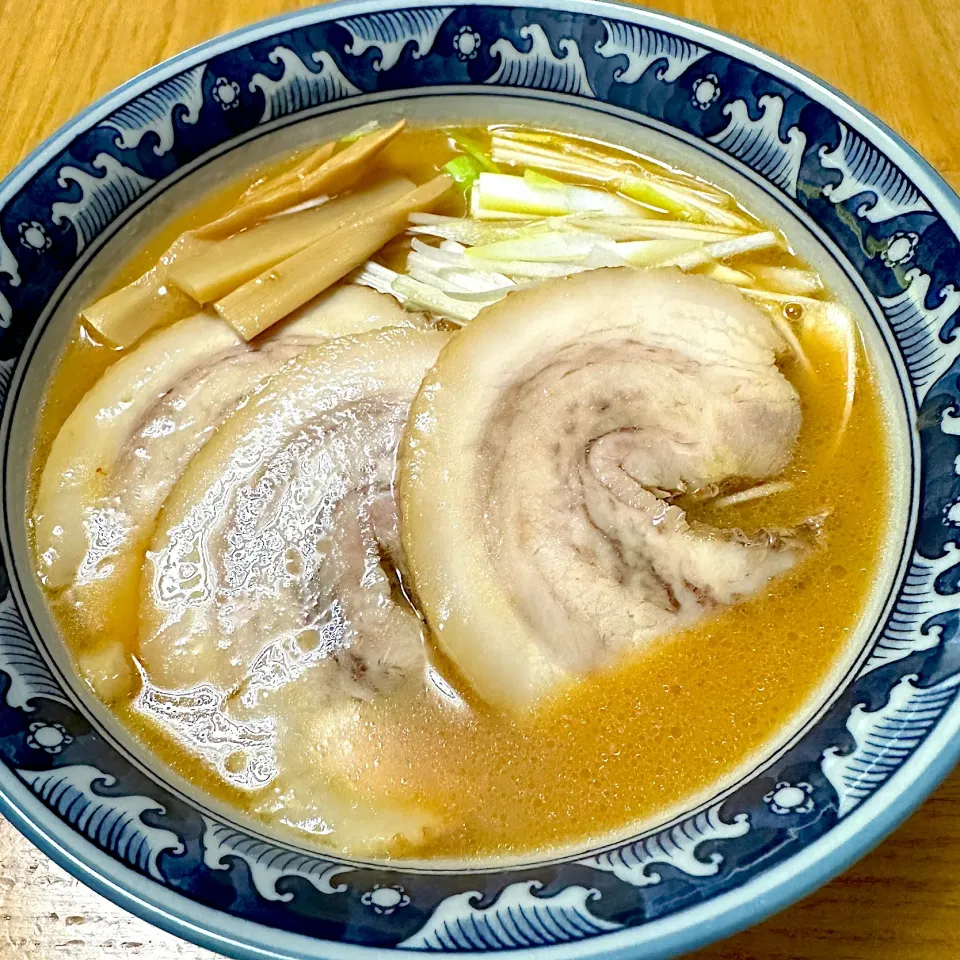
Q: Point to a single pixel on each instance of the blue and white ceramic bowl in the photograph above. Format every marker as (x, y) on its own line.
(856, 201)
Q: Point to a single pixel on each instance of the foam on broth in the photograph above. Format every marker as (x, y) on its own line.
(625, 746)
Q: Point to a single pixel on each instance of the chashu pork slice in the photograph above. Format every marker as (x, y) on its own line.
(272, 578)
(126, 443)
(540, 457)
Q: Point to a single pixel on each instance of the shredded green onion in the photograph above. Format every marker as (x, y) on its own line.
(689, 199)
(434, 300)
(535, 195)
(474, 151)
(724, 274)
(652, 253)
(726, 249)
(463, 170)
(753, 493)
(788, 280)
(541, 180)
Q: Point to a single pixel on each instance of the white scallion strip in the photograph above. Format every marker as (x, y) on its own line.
(484, 299)
(448, 261)
(540, 197)
(518, 153)
(466, 284)
(447, 254)
(786, 331)
(651, 253)
(724, 274)
(448, 246)
(581, 150)
(531, 270)
(851, 391)
(479, 212)
(758, 293)
(707, 209)
(725, 250)
(787, 280)
(634, 228)
(462, 283)
(622, 229)
(671, 197)
(414, 292)
(567, 247)
(644, 189)
(753, 493)
(435, 284)
(377, 276)
(443, 284)
(435, 301)
(473, 232)
(450, 255)
(574, 159)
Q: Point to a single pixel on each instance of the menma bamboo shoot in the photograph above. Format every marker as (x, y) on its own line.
(339, 173)
(261, 302)
(221, 267)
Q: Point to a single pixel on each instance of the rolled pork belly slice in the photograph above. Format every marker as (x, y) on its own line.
(272, 581)
(121, 450)
(542, 454)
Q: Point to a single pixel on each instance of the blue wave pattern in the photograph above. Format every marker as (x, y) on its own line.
(538, 66)
(918, 326)
(905, 254)
(644, 47)
(676, 847)
(391, 32)
(114, 823)
(154, 112)
(909, 629)
(885, 738)
(29, 676)
(8, 264)
(300, 87)
(518, 918)
(103, 197)
(865, 173)
(6, 375)
(757, 142)
(267, 863)
(9, 267)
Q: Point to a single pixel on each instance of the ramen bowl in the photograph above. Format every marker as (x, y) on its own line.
(873, 218)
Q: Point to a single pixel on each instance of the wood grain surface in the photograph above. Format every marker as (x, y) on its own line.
(896, 57)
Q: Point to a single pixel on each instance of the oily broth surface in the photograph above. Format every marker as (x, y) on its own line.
(627, 745)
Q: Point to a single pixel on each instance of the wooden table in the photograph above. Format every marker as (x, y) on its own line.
(897, 57)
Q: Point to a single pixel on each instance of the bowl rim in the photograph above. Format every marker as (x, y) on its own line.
(687, 929)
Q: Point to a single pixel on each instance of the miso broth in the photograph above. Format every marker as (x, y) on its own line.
(640, 735)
